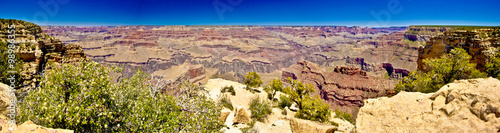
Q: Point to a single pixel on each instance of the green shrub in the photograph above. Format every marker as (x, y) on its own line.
(344, 115)
(298, 91)
(438, 72)
(260, 108)
(228, 89)
(493, 66)
(274, 86)
(314, 109)
(284, 102)
(82, 97)
(334, 123)
(225, 101)
(252, 79)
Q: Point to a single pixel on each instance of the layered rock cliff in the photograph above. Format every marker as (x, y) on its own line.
(345, 88)
(36, 49)
(463, 106)
(479, 42)
(424, 33)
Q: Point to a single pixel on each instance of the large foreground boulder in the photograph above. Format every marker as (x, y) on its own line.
(463, 106)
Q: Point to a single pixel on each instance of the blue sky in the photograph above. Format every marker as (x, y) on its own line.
(373, 13)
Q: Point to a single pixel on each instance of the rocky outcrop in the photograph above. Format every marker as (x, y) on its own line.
(36, 49)
(4, 99)
(241, 116)
(306, 126)
(345, 88)
(184, 72)
(463, 106)
(224, 113)
(27, 127)
(423, 33)
(479, 42)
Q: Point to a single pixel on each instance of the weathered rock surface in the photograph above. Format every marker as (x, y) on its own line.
(4, 99)
(306, 126)
(480, 43)
(463, 106)
(27, 127)
(224, 113)
(241, 115)
(344, 88)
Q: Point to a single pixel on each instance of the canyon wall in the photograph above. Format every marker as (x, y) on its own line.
(479, 42)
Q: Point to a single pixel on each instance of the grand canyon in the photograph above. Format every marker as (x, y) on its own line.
(236, 66)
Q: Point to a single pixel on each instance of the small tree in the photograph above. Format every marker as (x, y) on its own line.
(252, 79)
(298, 91)
(274, 86)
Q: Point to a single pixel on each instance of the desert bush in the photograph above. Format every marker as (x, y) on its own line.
(82, 97)
(297, 91)
(260, 108)
(344, 115)
(493, 66)
(224, 101)
(274, 86)
(438, 72)
(252, 79)
(284, 102)
(313, 108)
(228, 89)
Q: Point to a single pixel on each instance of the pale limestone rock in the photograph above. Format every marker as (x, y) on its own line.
(463, 106)
(306, 126)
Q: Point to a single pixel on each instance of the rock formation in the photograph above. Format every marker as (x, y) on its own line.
(423, 33)
(305, 126)
(463, 106)
(480, 43)
(345, 88)
(36, 49)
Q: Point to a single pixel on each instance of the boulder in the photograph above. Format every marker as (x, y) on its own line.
(223, 114)
(4, 99)
(241, 116)
(306, 126)
(27, 127)
(463, 106)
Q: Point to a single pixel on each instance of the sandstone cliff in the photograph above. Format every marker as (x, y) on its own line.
(424, 33)
(36, 49)
(479, 42)
(345, 88)
(463, 106)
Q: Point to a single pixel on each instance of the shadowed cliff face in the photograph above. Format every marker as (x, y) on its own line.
(231, 49)
(479, 42)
